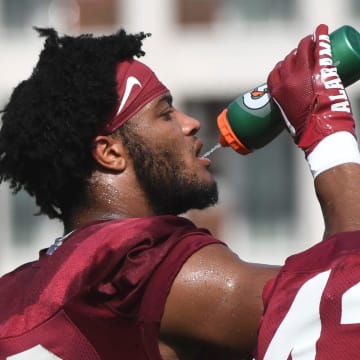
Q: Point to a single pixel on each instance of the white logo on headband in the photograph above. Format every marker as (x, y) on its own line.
(130, 83)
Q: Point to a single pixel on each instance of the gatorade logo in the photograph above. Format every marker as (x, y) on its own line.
(257, 98)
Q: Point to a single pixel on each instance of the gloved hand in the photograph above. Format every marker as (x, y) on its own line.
(310, 94)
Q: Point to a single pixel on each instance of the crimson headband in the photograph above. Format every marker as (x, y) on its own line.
(137, 85)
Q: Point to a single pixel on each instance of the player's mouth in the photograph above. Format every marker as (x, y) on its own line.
(198, 146)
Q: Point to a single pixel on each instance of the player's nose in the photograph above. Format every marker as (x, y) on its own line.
(189, 125)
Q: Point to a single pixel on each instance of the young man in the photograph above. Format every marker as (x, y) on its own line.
(93, 136)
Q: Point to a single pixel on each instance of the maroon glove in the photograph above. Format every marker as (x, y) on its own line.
(309, 92)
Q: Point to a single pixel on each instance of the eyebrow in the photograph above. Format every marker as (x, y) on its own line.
(166, 98)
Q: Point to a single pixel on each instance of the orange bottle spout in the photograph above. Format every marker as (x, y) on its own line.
(227, 136)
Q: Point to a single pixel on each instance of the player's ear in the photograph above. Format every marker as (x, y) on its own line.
(109, 152)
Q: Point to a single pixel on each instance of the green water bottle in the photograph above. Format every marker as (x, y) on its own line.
(253, 119)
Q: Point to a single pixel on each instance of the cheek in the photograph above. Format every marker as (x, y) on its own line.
(173, 143)
(167, 137)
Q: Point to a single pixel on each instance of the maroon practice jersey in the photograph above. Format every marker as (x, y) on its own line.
(312, 309)
(98, 295)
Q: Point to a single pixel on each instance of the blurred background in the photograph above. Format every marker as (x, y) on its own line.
(207, 52)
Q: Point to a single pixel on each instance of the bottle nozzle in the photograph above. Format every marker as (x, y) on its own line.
(228, 137)
(222, 141)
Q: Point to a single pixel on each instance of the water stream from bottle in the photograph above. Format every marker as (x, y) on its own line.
(208, 153)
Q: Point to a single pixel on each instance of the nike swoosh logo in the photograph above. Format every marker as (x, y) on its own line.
(130, 83)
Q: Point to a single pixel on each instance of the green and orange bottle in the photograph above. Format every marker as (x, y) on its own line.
(253, 119)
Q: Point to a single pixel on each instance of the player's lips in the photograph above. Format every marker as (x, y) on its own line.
(198, 146)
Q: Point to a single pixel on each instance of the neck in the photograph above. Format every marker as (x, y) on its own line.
(108, 200)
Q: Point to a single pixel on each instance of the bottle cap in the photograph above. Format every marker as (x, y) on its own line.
(227, 136)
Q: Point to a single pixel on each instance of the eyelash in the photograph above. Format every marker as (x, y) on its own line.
(168, 114)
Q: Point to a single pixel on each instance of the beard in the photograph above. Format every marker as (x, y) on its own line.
(170, 187)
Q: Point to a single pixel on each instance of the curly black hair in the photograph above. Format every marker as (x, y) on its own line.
(51, 119)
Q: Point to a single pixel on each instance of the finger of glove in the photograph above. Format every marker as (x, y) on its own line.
(278, 85)
(288, 65)
(290, 81)
(274, 85)
(321, 31)
(278, 77)
(305, 54)
(322, 53)
(297, 62)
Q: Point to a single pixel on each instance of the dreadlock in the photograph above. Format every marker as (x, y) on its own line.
(51, 118)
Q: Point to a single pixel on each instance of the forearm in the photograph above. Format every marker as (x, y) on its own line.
(338, 191)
